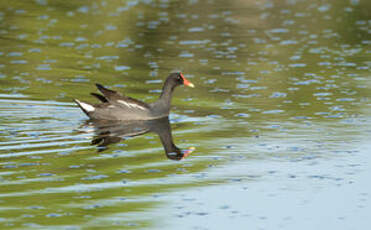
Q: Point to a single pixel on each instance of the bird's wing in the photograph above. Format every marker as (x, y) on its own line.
(117, 99)
(107, 93)
(99, 97)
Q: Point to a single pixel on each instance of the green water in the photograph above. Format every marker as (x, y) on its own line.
(279, 117)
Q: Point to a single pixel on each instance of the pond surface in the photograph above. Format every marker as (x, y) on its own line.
(277, 128)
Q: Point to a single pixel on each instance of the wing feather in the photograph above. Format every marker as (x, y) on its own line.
(100, 97)
(120, 100)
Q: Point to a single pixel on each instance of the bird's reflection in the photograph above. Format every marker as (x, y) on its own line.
(109, 132)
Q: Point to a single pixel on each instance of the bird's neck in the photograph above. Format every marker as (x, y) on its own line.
(166, 95)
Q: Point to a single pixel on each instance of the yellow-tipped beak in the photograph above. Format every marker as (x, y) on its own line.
(190, 84)
(186, 82)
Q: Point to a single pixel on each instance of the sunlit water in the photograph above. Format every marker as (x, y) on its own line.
(280, 116)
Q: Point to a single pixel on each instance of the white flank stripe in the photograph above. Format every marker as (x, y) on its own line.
(123, 102)
(138, 106)
(131, 105)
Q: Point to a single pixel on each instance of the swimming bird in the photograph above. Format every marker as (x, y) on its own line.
(115, 106)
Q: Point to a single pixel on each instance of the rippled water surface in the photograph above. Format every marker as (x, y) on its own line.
(278, 127)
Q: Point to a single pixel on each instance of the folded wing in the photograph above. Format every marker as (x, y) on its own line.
(117, 99)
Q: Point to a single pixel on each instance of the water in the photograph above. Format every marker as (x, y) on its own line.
(279, 118)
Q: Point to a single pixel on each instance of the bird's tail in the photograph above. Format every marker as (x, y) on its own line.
(85, 107)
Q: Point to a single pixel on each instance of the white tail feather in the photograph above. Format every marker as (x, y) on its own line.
(85, 106)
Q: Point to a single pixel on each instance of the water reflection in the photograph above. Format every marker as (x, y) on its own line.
(110, 132)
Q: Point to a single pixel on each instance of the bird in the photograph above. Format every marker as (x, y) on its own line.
(117, 107)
